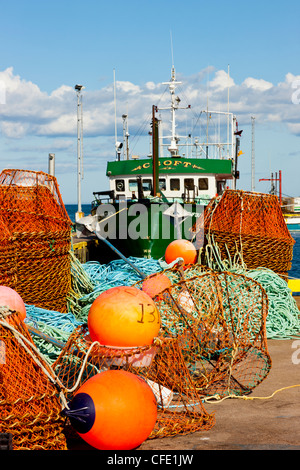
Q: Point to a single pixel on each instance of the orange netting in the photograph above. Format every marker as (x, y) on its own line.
(219, 320)
(212, 341)
(161, 364)
(29, 401)
(35, 239)
(249, 227)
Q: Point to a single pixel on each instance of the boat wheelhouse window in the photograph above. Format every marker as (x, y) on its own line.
(133, 186)
(120, 185)
(147, 185)
(189, 183)
(221, 186)
(203, 183)
(162, 184)
(175, 184)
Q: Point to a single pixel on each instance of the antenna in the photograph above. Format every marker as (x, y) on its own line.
(172, 55)
(228, 112)
(78, 89)
(207, 116)
(253, 155)
(115, 104)
(118, 145)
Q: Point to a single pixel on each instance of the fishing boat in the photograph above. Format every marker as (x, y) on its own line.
(153, 200)
(292, 214)
(290, 206)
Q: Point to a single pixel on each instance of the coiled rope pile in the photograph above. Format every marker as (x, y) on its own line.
(283, 321)
(88, 281)
(283, 318)
(92, 278)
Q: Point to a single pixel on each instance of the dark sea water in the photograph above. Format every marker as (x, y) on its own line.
(72, 209)
(294, 272)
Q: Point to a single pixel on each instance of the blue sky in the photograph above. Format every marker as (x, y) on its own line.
(48, 47)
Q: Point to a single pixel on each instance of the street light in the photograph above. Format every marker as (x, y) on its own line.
(78, 89)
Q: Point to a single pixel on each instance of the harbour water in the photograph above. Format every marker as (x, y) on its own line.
(72, 209)
(293, 273)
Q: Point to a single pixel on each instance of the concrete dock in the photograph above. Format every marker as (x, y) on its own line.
(259, 424)
(268, 421)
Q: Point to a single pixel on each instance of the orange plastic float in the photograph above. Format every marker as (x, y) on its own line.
(10, 298)
(156, 284)
(123, 316)
(113, 410)
(181, 249)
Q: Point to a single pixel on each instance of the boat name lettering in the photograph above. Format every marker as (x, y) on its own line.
(169, 163)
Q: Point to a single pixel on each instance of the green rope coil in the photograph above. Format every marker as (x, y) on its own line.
(283, 321)
(89, 280)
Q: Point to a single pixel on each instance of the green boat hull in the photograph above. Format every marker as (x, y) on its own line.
(146, 234)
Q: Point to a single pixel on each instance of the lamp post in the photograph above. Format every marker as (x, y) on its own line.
(78, 89)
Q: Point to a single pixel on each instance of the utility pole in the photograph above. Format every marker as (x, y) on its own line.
(125, 137)
(78, 89)
(272, 179)
(253, 155)
(155, 151)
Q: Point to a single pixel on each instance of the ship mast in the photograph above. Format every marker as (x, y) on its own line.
(175, 100)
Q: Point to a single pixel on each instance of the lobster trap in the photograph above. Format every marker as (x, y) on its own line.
(219, 320)
(29, 400)
(35, 239)
(246, 228)
(161, 364)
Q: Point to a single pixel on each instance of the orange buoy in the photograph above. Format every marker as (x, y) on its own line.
(113, 410)
(123, 316)
(181, 249)
(10, 298)
(154, 285)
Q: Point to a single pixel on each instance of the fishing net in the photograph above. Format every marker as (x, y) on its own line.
(248, 228)
(30, 405)
(219, 320)
(177, 273)
(161, 364)
(36, 228)
(8, 271)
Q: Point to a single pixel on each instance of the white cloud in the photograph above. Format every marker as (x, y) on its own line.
(290, 78)
(222, 81)
(294, 128)
(30, 111)
(260, 85)
(14, 130)
(127, 87)
(150, 85)
(61, 92)
(34, 123)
